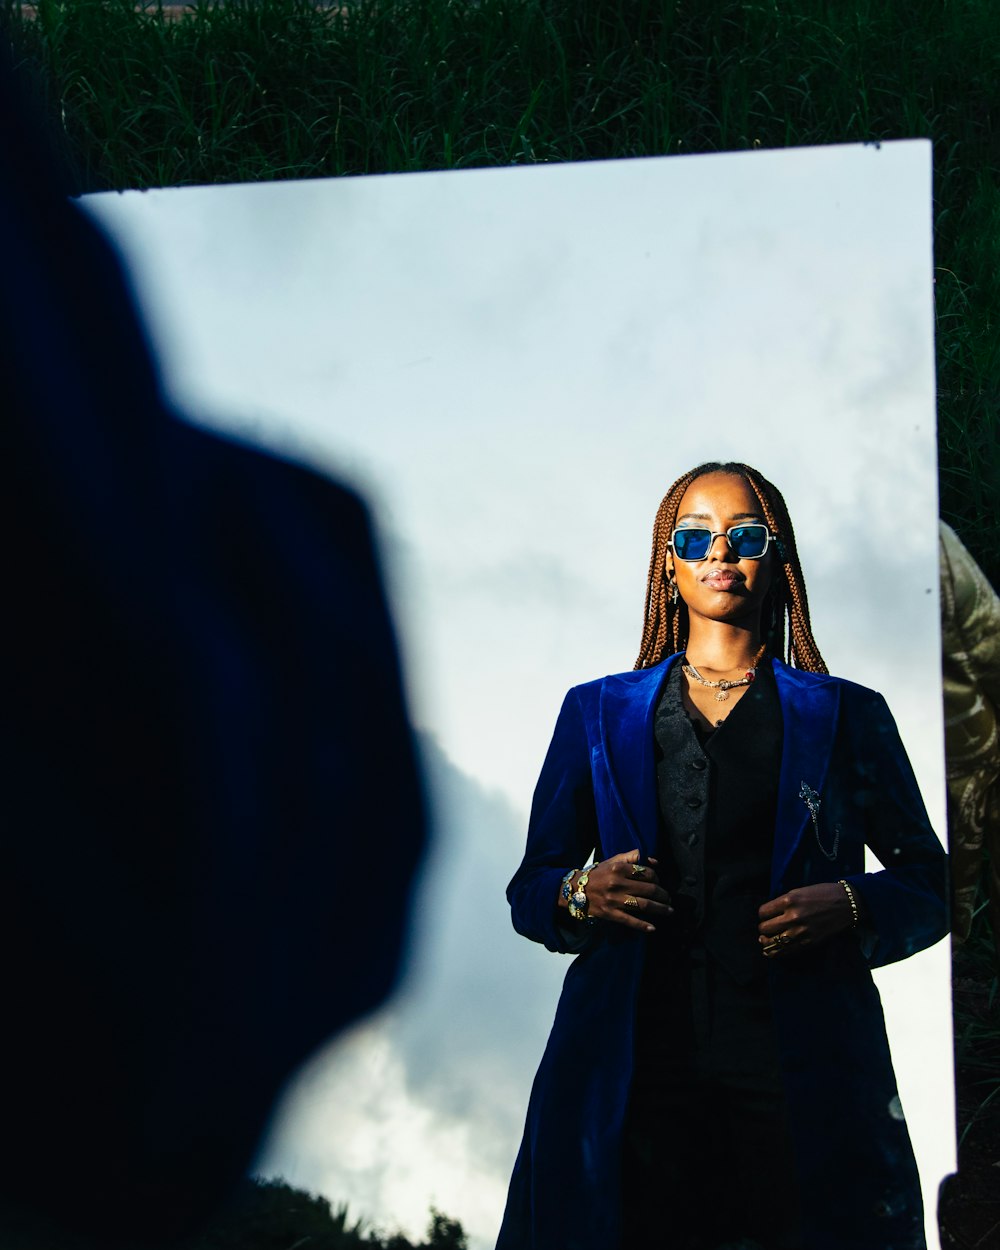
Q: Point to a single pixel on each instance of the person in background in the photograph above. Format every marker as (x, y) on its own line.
(207, 764)
(970, 641)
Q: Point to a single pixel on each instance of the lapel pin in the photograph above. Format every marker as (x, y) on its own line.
(812, 800)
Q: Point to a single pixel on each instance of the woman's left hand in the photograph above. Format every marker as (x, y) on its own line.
(802, 917)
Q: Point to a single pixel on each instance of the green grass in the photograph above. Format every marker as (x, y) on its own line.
(271, 1215)
(976, 980)
(259, 1215)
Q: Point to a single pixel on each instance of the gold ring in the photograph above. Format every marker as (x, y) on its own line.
(630, 902)
(639, 870)
(782, 939)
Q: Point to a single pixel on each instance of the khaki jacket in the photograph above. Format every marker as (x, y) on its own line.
(970, 638)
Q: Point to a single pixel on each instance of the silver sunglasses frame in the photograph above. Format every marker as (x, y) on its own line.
(723, 534)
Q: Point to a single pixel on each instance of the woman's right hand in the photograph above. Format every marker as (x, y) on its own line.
(622, 877)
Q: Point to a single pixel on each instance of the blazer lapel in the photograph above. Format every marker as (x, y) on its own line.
(809, 705)
(627, 706)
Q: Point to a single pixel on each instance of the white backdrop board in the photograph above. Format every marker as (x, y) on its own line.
(513, 365)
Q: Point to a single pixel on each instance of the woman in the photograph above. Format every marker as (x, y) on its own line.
(718, 1072)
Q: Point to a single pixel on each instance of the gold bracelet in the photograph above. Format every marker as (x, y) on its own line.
(578, 899)
(855, 914)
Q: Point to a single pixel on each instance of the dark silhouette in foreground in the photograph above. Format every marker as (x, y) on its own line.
(213, 810)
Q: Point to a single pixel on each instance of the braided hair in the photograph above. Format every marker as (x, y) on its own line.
(785, 611)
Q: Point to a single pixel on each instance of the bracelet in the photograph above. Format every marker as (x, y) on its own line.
(565, 889)
(578, 900)
(855, 914)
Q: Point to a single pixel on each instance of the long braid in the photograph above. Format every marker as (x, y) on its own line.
(787, 596)
(661, 616)
(650, 614)
(802, 649)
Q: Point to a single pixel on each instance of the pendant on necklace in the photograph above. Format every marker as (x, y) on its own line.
(721, 696)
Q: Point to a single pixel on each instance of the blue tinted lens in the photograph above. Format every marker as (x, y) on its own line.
(692, 544)
(748, 541)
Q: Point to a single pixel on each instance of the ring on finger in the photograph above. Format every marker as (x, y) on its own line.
(639, 870)
(630, 902)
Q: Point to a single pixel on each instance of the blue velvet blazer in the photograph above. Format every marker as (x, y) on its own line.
(597, 792)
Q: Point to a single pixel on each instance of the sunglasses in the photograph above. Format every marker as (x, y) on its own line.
(747, 542)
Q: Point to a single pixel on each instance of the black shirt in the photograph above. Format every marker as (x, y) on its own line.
(718, 794)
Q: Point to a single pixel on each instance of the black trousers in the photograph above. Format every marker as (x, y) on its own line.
(707, 1161)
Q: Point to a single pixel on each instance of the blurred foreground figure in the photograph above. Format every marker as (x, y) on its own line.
(213, 812)
(970, 638)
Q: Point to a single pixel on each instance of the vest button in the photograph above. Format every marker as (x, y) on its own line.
(697, 763)
(693, 800)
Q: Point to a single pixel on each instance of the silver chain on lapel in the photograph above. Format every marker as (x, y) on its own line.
(812, 801)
